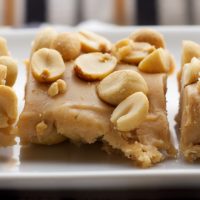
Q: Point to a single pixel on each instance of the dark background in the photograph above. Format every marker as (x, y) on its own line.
(158, 194)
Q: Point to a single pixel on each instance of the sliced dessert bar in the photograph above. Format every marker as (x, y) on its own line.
(100, 95)
(8, 98)
(189, 111)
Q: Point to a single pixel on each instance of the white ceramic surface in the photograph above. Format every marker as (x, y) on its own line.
(66, 166)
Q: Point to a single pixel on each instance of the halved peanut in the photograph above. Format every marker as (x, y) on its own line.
(150, 36)
(132, 52)
(12, 69)
(47, 65)
(156, 62)
(57, 87)
(143, 46)
(94, 66)
(191, 72)
(122, 48)
(3, 47)
(119, 85)
(44, 39)
(131, 112)
(68, 45)
(135, 57)
(3, 73)
(190, 49)
(8, 106)
(139, 51)
(92, 42)
(123, 43)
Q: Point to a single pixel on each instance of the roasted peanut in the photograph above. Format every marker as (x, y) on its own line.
(191, 72)
(68, 45)
(150, 36)
(156, 62)
(44, 39)
(94, 66)
(119, 85)
(8, 106)
(57, 87)
(131, 52)
(131, 112)
(92, 42)
(47, 65)
(12, 69)
(190, 49)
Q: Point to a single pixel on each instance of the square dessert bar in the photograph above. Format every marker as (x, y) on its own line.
(99, 97)
(189, 111)
(189, 122)
(8, 98)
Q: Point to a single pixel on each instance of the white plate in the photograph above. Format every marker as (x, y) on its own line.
(66, 166)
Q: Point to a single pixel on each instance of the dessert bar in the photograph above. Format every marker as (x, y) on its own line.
(82, 87)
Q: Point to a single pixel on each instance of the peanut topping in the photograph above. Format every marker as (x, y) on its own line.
(132, 52)
(57, 87)
(122, 48)
(131, 112)
(91, 42)
(149, 36)
(68, 45)
(8, 106)
(119, 85)
(94, 66)
(12, 69)
(44, 39)
(191, 72)
(156, 62)
(190, 49)
(47, 65)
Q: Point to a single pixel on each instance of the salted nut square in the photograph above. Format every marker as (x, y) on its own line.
(8, 98)
(99, 91)
(189, 110)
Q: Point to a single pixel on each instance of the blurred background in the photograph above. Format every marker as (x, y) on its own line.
(20, 13)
